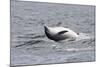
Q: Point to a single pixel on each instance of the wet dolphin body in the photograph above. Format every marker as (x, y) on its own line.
(59, 33)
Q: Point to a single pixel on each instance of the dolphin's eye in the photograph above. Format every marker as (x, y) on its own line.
(62, 32)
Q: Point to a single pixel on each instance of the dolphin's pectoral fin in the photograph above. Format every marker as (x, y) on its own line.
(62, 32)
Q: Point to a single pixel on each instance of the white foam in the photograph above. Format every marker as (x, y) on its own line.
(83, 36)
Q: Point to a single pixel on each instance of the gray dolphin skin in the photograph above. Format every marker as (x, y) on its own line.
(56, 37)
